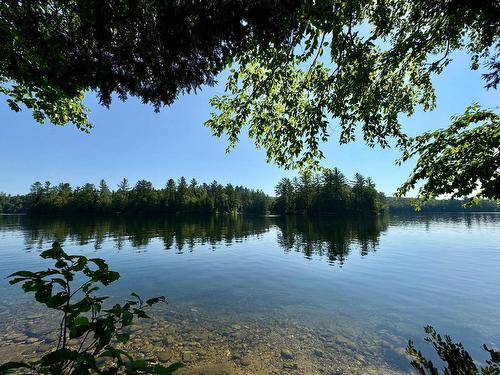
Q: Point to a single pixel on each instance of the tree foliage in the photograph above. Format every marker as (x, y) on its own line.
(328, 193)
(142, 198)
(47, 103)
(462, 160)
(360, 63)
(300, 71)
(12, 203)
(53, 50)
(89, 331)
(407, 205)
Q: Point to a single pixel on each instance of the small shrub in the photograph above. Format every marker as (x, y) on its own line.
(88, 332)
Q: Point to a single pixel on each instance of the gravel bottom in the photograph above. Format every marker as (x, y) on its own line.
(229, 344)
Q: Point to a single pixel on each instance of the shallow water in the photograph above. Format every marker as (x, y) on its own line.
(339, 296)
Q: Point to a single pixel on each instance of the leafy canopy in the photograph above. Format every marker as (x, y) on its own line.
(358, 63)
(53, 50)
(300, 70)
(461, 160)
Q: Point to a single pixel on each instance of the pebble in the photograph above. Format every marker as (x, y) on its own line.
(246, 347)
(187, 356)
(165, 355)
(286, 354)
(318, 353)
(245, 361)
(290, 366)
(169, 340)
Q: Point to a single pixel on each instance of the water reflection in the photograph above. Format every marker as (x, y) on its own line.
(331, 238)
(254, 286)
(469, 219)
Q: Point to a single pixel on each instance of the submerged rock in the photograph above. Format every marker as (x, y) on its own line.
(169, 340)
(165, 355)
(286, 354)
(245, 361)
(318, 353)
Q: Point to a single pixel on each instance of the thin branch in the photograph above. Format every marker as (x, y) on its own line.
(80, 288)
(60, 333)
(446, 54)
(66, 314)
(317, 53)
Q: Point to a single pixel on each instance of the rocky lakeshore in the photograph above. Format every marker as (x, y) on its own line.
(225, 345)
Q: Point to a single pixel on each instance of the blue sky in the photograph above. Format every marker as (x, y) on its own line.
(130, 140)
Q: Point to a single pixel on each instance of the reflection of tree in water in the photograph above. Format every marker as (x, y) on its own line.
(179, 232)
(328, 237)
(333, 238)
(469, 219)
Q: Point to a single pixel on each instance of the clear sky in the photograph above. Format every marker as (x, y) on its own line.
(130, 140)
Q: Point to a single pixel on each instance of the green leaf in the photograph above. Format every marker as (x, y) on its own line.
(80, 264)
(123, 337)
(139, 364)
(106, 277)
(84, 305)
(114, 353)
(17, 280)
(61, 263)
(127, 318)
(134, 294)
(25, 274)
(58, 356)
(77, 331)
(101, 263)
(141, 314)
(162, 370)
(43, 293)
(54, 253)
(88, 288)
(57, 300)
(12, 366)
(29, 286)
(81, 320)
(155, 300)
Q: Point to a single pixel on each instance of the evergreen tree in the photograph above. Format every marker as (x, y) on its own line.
(105, 199)
(328, 193)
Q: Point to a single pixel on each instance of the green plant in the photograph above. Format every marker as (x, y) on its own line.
(459, 161)
(88, 332)
(458, 360)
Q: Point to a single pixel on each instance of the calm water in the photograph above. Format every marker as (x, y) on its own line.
(343, 296)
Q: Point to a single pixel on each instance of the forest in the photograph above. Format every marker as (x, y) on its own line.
(143, 197)
(328, 193)
(403, 205)
(317, 194)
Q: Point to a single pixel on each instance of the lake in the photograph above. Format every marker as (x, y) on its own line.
(262, 295)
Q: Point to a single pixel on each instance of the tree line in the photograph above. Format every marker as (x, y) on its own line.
(328, 193)
(316, 194)
(176, 197)
(404, 205)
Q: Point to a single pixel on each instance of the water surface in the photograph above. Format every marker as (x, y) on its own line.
(341, 295)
